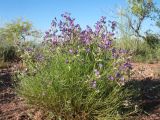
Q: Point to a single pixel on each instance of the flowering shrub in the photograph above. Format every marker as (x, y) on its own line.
(79, 73)
(96, 44)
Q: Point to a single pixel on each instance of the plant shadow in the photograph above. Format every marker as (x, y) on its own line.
(5, 79)
(147, 93)
(6, 87)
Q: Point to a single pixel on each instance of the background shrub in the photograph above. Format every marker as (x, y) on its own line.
(140, 49)
(13, 35)
(153, 41)
(9, 53)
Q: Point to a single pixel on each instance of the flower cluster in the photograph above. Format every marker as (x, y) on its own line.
(96, 42)
(67, 30)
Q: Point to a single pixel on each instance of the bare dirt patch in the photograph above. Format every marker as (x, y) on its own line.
(147, 79)
(11, 106)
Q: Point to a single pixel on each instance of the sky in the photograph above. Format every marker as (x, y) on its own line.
(41, 12)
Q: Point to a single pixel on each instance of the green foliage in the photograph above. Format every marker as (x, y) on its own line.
(145, 47)
(153, 41)
(9, 53)
(141, 8)
(11, 35)
(13, 32)
(65, 87)
(158, 23)
(137, 13)
(141, 50)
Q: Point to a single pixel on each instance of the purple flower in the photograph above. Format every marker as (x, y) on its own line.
(127, 65)
(89, 30)
(97, 73)
(85, 37)
(93, 84)
(103, 19)
(60, 24)
(113, 26)
(122, 78)
(113, 51)
(70, 51)
(47, 33)
(118, 75)
(88, 50)
(76, 52)
(111, 33)
(54, 23)
(54, 40)
(122, 51)
(98, 27)
(39, 57)
(72, 22)
(111, 78)
(77, 27)
(29, 49)
(106, 43)
(66, 15)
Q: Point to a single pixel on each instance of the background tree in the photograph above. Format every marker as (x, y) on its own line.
(137, 12)
(12, 32)
(15, 33)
